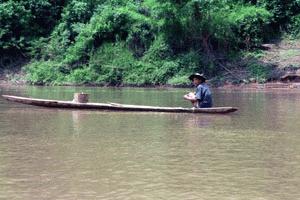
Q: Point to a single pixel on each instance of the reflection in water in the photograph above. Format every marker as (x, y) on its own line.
(205, 121)
(76, 154)
(76, 118)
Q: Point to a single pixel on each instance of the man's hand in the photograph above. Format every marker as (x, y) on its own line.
(190, 96)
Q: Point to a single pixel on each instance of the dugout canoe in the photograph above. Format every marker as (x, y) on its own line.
(114, 106)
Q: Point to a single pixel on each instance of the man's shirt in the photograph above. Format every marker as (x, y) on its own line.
(203, 95)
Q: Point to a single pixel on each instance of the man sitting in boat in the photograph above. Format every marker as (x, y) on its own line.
(201, 98)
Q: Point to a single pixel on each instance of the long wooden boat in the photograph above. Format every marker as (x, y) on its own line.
(114, 106)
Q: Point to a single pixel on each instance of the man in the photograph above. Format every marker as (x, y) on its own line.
(202, 97)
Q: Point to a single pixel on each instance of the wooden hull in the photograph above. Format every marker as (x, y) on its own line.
(114, 106)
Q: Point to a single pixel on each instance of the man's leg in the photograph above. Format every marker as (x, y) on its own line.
(195, 104)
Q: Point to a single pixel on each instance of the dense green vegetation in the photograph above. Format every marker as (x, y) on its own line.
(139, 42)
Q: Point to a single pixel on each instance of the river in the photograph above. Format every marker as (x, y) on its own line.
(72, 154)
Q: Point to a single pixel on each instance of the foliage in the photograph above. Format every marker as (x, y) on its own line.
(83, 75)
(294, 27)
(112, 62)
(44, 73)
(282, 10)
(259, 71)
(23, 20)
(118, 42)
(250, 24)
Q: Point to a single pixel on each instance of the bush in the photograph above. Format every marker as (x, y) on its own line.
(159, 50)
(44, 73)
(112, 62)
(14, 19)
(259, 72)
(21, 21)
(179, 80)
(140, 74)
(294, 27)
(249, 24)
(139, 39)
(84, 75)
(282, 11)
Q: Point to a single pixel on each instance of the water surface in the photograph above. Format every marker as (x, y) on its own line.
(70, 154)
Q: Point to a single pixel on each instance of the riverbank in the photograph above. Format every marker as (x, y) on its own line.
(5, 82)
(276, 66)
(10, 78)
(17, 78)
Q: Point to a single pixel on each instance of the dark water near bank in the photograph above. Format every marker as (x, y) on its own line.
(69, 154)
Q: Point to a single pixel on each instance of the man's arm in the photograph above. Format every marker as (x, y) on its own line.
(198, 94)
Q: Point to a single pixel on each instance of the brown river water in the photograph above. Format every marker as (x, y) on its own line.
(72, 154)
